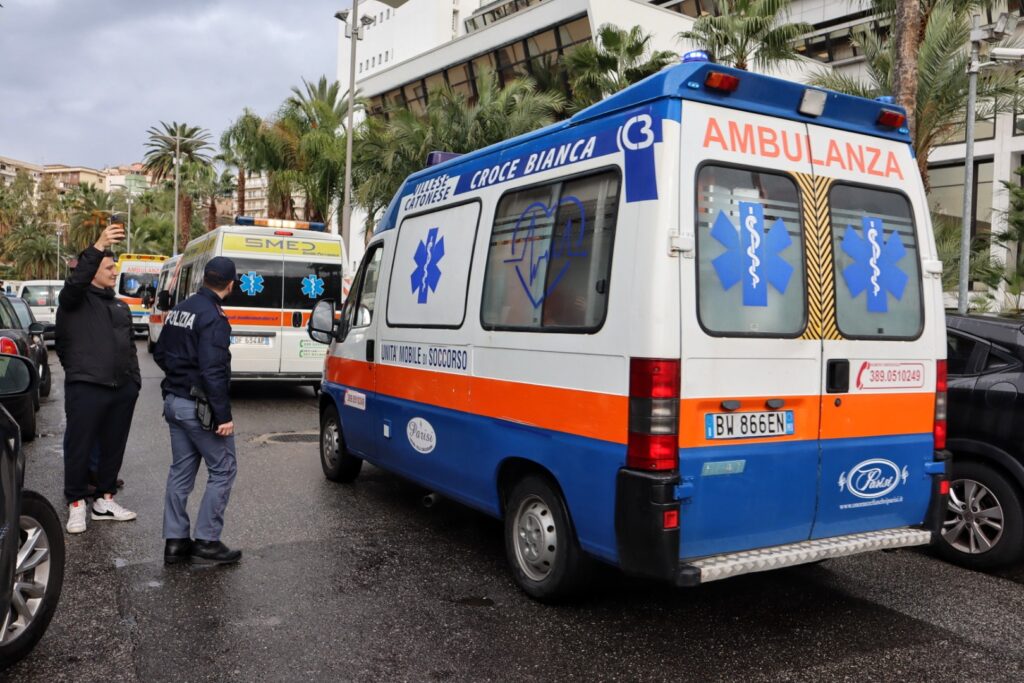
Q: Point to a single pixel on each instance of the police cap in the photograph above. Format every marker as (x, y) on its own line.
(222, 267)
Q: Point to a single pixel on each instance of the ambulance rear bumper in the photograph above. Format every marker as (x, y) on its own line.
(763, 559)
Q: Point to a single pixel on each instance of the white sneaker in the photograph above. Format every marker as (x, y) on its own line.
(76, 517)
(106, 508)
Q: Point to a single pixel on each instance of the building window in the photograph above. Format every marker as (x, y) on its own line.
(984, 129)
(947, 194)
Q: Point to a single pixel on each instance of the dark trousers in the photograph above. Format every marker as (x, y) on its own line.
(96, 415)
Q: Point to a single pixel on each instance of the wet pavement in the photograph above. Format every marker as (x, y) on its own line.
(360, 582)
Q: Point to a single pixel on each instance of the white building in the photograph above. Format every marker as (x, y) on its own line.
(9, 170)
(424, 44)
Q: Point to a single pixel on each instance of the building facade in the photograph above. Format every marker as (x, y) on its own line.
(9, 170)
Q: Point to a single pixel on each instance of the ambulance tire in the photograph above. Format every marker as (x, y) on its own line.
(540, 542)
(150, 346)
(998, 491)
(338, 464)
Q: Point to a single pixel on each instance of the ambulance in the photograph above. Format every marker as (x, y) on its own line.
(695, 331)
(137, 276)
(165, 284)
(284, 268)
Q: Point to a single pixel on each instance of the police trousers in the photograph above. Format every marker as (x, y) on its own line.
(191, 444)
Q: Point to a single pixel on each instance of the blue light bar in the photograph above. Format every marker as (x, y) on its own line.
(244, 220)
(435, 158)
(695, 56)
(885, 99)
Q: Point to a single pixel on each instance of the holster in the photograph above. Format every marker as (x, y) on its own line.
(204, 413)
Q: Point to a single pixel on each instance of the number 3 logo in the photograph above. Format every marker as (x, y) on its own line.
(646, 129)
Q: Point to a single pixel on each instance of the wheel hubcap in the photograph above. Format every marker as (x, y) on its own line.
(974, 517)
(536, 538)
(31, 577)
(329, 444)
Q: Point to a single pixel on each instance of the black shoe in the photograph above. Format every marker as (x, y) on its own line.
(177, 550)
(120, 483)
(213, 552)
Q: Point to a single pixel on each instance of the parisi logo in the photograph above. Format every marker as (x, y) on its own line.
(873, 478)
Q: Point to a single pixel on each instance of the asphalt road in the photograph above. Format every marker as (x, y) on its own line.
(362, 583)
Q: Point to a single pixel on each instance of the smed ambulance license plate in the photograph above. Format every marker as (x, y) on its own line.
(251, 341)
(748, 425)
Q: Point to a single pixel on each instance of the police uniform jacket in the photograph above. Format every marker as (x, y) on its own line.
(94, 337)
(193, 351)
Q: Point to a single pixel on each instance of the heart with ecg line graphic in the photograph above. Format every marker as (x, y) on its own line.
(532, 255)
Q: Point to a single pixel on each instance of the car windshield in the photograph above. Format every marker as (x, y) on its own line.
(23, 311)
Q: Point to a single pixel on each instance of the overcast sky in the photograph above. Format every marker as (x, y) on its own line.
(82, 80)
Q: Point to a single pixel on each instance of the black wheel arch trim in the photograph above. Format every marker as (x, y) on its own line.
(980, 450)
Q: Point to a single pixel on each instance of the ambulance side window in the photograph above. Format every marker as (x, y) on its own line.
(549, 259)
(750, 253)
(359, 306)
(878, 279)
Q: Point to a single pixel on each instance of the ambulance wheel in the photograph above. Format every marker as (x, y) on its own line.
(338, 464)
(540, 542)
(983, 527)
(150, 346)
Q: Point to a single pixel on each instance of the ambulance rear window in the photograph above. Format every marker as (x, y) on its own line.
(750, 253)
(878, 279)
(257, 284)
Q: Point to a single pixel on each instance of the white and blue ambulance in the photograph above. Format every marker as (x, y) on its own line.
(694, 331)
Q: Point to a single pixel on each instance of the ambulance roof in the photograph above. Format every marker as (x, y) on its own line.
(755, 93)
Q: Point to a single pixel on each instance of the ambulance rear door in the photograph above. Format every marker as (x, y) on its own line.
(751, 363)
(312, 270)
(882, 333)
(254, 307)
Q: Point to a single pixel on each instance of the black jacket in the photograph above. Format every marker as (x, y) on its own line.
(193, 351)
(94, 336)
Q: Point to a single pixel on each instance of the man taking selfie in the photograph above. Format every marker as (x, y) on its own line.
(193, 351)
(101, 380)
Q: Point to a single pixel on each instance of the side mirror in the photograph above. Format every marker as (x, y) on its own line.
(363, 316)
(163, 301)
(49, 330)
(17, 376)
(322, 326)
(37, 328)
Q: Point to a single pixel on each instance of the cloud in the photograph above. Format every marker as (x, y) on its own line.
(82, 81)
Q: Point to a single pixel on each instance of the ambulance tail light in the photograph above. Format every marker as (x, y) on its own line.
(653, 414)
(941, 389)
(717, 80)
(283, 233)
(891, 118)
(7, 345)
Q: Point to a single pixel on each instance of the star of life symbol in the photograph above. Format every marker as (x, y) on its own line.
(312, 286)
(252, 283)
(874, 266)
(427, 274)
(753, 255)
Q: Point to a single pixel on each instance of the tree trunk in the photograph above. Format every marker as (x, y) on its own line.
(241, 191)
(906, 37)
(211, 215)
(185, 218)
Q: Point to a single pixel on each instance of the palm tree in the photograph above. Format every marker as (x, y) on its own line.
(748, 33)
(90, 211)
(206, 185)
(239, 146)
(190, 143)
(941, 109)
(616, 59)
(386, 152)
(33, 249)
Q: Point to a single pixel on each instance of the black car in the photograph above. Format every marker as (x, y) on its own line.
(984, 523)
(37, 347)
(15, 340)
(31, 537)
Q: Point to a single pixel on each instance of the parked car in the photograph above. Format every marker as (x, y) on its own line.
(31, 537)
(984, 522)
(18, 341)
(42, 295)
(37, 347)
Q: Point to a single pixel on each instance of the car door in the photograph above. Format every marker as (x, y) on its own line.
(307, 280)
(751, 355)
(352, 365)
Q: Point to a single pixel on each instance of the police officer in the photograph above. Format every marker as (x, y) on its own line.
(193, 353)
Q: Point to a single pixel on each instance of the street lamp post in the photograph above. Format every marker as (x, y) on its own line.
(60, 235)
(354, 32)
(177, 179)
(1005, 25)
